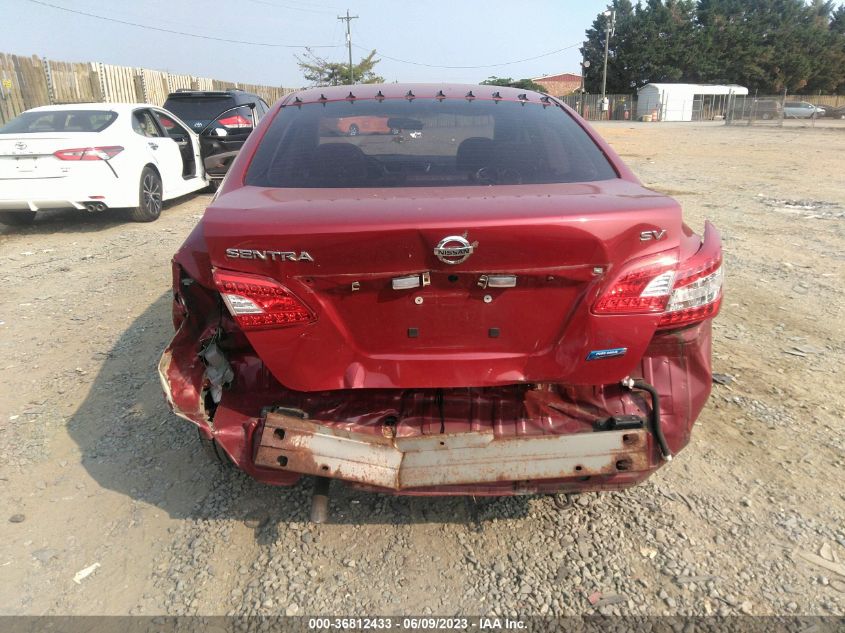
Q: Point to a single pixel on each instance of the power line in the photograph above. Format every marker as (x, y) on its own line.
(175, 32)
(287, 6)
(517, 61)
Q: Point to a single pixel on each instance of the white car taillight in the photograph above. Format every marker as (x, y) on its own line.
(89, 153)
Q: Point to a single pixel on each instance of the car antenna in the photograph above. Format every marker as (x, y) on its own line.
(469, 95)
(379, 95)
(497, 95)
(350, 96)
(410, 96)
(439, 96)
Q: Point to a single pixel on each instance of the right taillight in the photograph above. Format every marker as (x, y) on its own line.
(259, 302)
(642, 288)
(680, 293)
(697, 292)
(695, 297)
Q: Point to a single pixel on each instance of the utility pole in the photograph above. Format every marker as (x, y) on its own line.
(349, 19)
(585, 64)
(611, 22)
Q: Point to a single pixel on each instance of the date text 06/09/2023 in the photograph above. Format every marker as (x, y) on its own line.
(415, 623)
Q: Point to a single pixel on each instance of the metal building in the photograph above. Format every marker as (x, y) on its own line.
(685, 102)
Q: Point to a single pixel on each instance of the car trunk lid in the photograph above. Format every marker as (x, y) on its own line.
(391, 313)
(27, 156)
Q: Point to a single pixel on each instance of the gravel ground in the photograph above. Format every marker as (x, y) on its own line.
(94, 471)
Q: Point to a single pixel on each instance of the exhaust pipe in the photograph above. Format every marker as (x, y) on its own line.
(320, 500)
(95, 207)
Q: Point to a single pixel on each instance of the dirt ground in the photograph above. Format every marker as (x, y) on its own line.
(103, 475)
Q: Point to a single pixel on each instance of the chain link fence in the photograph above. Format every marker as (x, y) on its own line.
(778, 110)
(775, 110)
(621, 107)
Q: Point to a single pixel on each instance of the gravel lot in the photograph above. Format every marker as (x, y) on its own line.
(94, 470)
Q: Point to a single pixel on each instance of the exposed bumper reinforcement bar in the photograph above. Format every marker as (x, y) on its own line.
(307, 447)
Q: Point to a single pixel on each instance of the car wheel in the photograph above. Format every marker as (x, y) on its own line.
(149, 197)
(353, 130)
(17, 218)
(213, 185)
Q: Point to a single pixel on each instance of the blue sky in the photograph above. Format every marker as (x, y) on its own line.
(436, 32)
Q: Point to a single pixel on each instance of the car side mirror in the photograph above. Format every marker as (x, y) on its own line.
(215, 131)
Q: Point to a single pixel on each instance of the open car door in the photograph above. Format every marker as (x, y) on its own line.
(222, 138)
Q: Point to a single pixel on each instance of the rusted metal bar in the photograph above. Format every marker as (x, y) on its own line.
(308, 447)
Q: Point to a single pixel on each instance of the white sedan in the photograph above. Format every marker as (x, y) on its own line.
(96, 156)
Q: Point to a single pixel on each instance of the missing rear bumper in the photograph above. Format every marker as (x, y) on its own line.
(306, 447)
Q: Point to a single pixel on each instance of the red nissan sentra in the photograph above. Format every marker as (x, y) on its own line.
(486, 302)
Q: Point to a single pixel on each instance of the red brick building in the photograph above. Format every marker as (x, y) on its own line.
(559, 85)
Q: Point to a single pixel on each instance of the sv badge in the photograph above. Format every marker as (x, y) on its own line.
(645, 236)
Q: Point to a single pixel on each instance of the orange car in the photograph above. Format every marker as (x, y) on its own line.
(355, 125)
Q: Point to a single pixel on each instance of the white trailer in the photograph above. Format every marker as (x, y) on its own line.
(685, 102)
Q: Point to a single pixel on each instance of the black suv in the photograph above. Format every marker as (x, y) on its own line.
(223, 118)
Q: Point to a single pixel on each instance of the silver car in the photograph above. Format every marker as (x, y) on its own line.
(801, 110)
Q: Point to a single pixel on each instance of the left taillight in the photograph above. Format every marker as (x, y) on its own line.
(89, 153)
(260, 302)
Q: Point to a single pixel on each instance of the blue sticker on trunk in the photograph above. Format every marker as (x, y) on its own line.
(596, 354)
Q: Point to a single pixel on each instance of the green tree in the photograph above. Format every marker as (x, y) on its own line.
(321, 72)
(826, 47)
(668, 29)
(624, 53)
(837, 32)
(731, 49)
(771, 45)
(837, 20)
(523, 84)
(765, 45)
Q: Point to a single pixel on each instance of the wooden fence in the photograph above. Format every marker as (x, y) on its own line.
(28, 82)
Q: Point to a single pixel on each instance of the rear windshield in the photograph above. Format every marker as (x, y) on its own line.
(60, 121)
(198, 108)
(425, 143)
